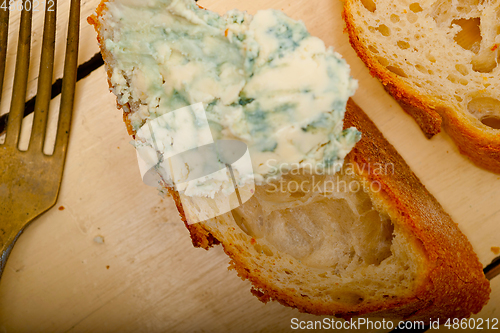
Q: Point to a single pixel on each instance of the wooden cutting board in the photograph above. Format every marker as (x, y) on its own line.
(113, 256)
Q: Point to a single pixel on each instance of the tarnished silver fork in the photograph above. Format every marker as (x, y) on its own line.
(30, 180)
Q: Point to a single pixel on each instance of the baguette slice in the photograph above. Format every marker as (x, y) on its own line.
(388, 250)
(368, 240)
(440, 61)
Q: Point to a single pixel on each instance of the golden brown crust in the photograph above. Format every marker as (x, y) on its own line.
(453, 284)
(482, 147)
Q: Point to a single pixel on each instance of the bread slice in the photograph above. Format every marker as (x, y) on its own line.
(440, 61)
(387, 250)
(369, 240)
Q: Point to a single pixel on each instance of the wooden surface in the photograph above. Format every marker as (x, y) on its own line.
(146, 276)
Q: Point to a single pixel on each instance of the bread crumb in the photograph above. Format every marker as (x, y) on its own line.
(495, 249)
(99, 239)
(107, 267)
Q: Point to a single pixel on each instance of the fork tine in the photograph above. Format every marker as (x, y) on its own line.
(69, 81)
(4, 34)
(43, 95)
(20, 79)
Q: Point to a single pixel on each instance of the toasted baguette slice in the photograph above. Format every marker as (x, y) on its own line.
(387, 250)
(440, 61)
(369, 240)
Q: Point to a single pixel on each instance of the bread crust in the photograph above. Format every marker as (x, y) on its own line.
(482, 146)
(452, 283)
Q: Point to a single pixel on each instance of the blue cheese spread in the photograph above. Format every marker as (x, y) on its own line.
(263, 80)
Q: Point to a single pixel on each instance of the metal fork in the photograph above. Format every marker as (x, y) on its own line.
(30, 180)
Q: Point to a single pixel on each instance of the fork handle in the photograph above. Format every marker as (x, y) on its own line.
(7, 240)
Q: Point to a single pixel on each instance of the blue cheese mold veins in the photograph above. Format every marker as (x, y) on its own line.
(262, 79)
